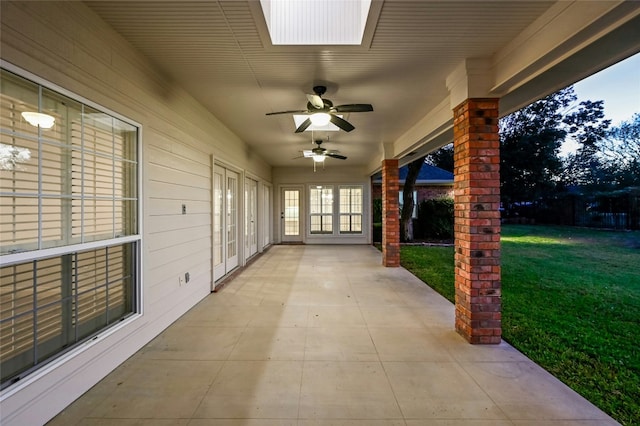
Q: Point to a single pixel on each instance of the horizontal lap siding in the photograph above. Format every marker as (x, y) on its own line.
(178, 174)
(66, 44)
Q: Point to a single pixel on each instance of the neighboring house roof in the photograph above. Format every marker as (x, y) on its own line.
(429, 175)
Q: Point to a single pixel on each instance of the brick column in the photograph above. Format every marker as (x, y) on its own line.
(477, 220)
(390, 214)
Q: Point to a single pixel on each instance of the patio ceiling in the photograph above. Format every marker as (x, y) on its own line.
(220, 52)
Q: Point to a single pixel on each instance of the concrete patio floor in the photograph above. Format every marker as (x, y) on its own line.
(325, 335)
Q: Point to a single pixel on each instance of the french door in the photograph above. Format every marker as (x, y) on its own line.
(266, 212)
(250, 217)
(225, 221)
(290, 226)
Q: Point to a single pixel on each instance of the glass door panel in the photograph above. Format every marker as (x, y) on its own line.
(232, 220)
(266, 212)
(253, 217)
(218, 224)
(290, 215)
(224, 222)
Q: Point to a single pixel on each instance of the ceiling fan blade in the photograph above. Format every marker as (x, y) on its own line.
(307, 153)
(342, 123)
(301, 111)
(316, 101)
(354, 108)
(306, 123)
(335, 155)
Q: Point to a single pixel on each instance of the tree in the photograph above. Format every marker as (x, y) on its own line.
(588, 128)
(530, 141)
(586, 171)
(531, 138)
(442, 158)
(408, 203)
(620, 152)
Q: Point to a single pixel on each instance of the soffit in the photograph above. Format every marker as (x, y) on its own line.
(217, 52)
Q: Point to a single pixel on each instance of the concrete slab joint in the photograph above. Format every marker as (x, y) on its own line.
(477, 221)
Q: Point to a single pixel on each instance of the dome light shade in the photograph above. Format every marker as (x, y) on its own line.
(320, 118)
(318, 158)
(38, 119)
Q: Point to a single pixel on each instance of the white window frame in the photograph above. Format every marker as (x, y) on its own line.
(336, 212)
(322, 214)
(134, 239)
(350, 214)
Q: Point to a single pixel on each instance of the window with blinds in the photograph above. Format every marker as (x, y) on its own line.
(350, 208)
(68, 223)
(321, 209)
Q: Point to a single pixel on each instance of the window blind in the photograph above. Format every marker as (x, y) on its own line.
(68, 185)
(50, 304)
(351, 210)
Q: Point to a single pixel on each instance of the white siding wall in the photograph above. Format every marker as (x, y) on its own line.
(67, 45)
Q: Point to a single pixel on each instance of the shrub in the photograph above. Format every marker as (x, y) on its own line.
(377, 220)
(435, 219)
(377, 210)
(377, 232)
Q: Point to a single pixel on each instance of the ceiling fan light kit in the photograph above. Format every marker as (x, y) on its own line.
(38, 119)
(320, 118)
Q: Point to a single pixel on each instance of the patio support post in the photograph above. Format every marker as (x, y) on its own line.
(390, 214)
(477, 220)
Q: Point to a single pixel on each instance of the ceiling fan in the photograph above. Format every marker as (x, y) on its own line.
(319, 154)
(321, 111)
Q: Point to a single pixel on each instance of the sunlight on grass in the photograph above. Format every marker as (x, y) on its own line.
(533, 240)
(571, 302)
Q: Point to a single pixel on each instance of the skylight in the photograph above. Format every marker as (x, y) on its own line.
(316, 22)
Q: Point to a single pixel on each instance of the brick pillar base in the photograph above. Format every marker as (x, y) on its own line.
(477, 221)
(390, 214)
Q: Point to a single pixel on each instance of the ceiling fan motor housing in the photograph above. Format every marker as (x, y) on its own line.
(327, 106)
(319, 90)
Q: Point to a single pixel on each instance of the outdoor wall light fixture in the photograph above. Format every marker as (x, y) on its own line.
(38, 119)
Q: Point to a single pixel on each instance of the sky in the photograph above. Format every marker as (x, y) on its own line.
(618, 86)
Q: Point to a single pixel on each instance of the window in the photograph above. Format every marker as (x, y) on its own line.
(321, 209)
(347, 213)
(291, 212)
(69, 238)
(350, 209)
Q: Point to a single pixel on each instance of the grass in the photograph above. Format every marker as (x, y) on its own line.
(571, 303)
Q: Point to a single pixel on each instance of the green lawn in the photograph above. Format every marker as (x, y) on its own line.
(571, 302)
